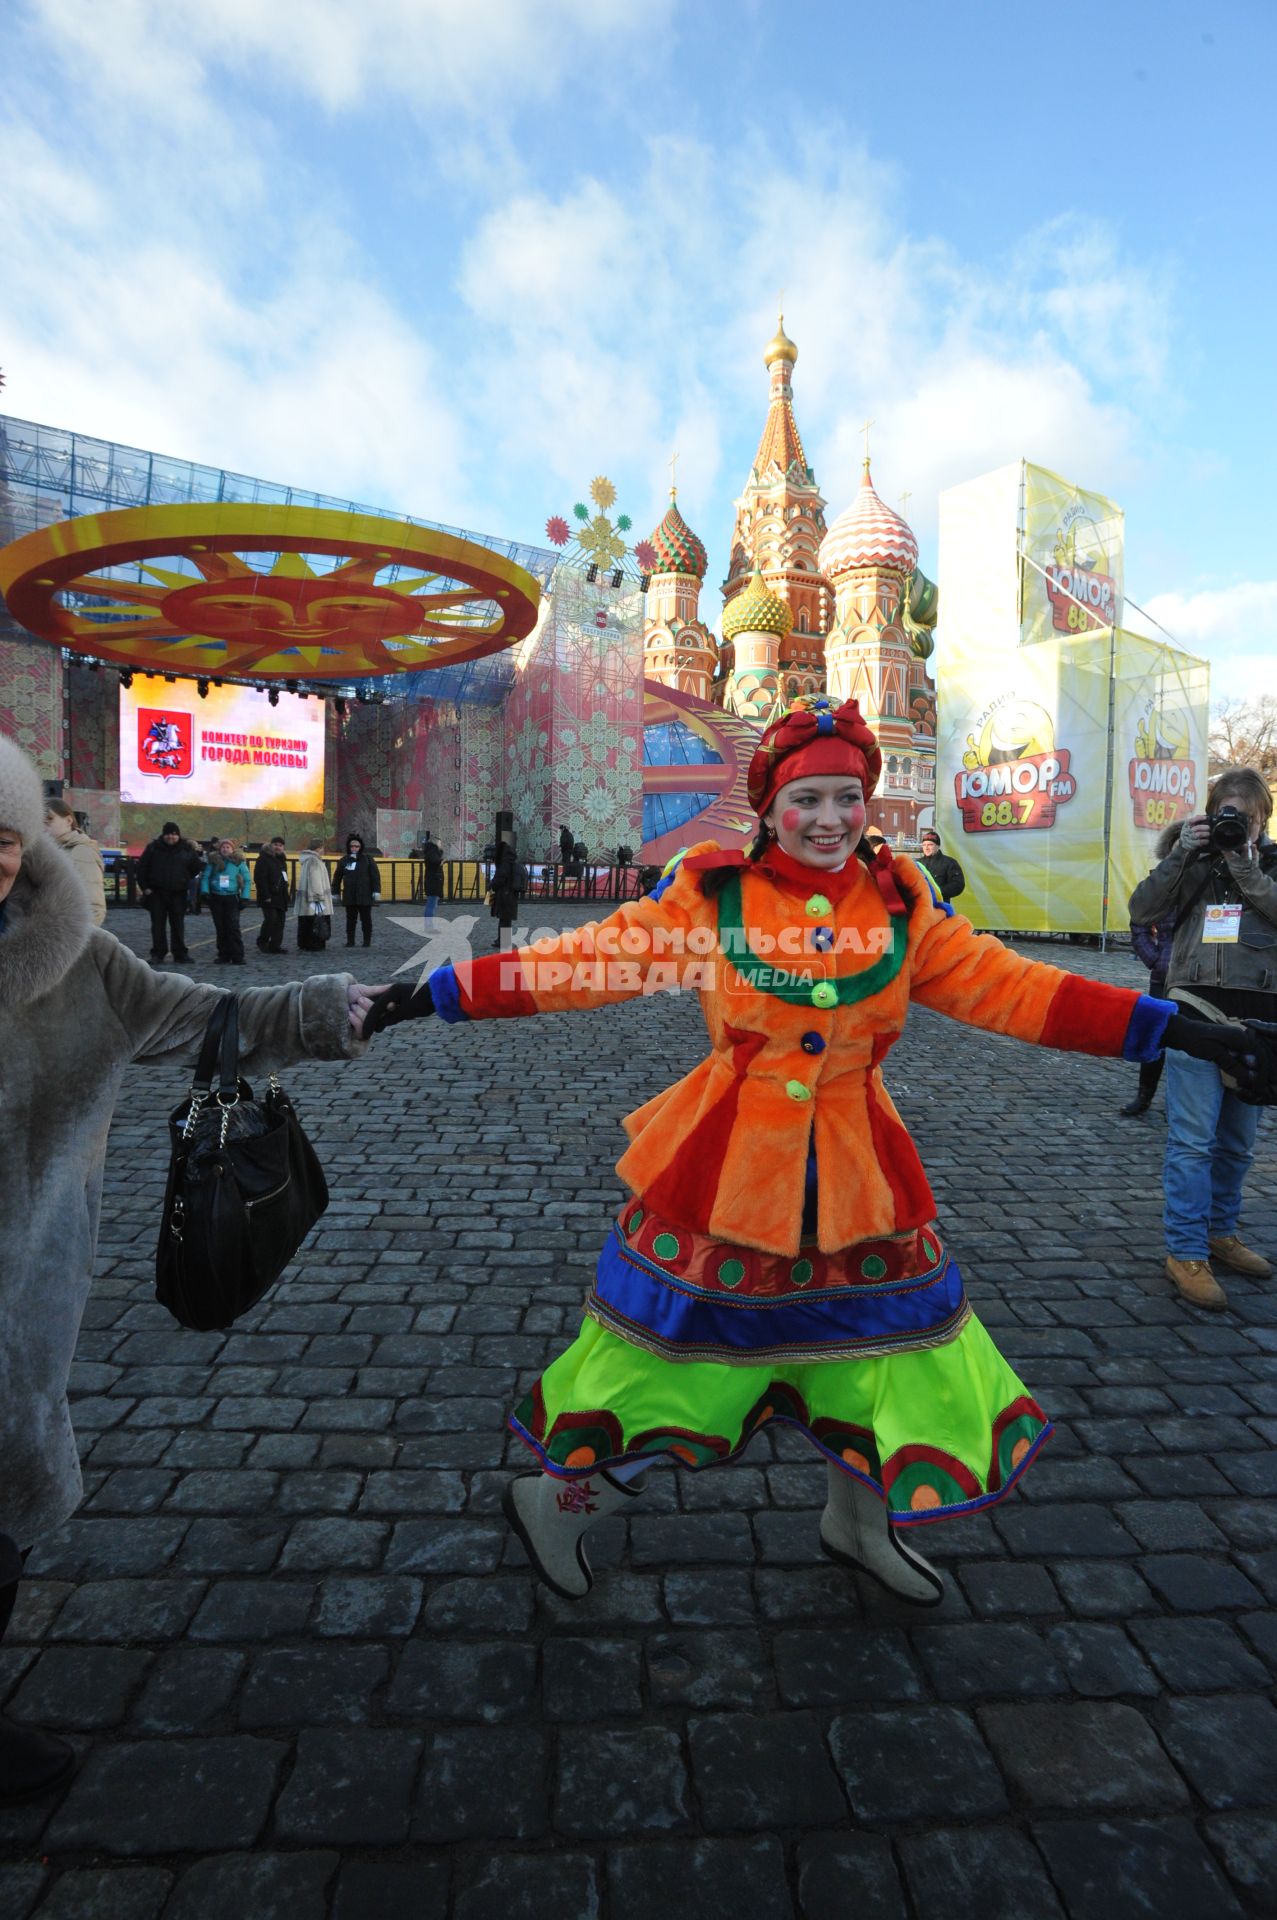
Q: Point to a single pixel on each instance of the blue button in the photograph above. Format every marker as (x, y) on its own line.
(812, 1043)
(822, 938)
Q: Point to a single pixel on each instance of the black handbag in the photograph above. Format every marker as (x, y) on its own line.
(244, 1187)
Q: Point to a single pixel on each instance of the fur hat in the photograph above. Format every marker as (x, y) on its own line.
(21, 794)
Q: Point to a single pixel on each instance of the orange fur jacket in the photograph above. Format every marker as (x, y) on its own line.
(805, 979)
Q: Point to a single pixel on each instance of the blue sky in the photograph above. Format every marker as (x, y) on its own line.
(458, 258)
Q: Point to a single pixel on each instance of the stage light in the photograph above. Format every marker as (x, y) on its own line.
(339, 706)
(202, 689)
(592, 573)
(291, 685)
(273, 696)
(361, 697)
(644, 582)
(617, 576)
(126, 678)
(171, 678)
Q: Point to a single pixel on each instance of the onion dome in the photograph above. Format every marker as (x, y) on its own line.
(756, 610)
(780, 346)
(677, 548)
(868, 534)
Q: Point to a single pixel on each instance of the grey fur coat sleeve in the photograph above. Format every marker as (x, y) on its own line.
(163, 1015)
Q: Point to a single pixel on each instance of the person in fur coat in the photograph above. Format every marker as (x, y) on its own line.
(778, 1257)
(76, 1009)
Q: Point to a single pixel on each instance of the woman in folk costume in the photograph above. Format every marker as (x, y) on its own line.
(778, 1258)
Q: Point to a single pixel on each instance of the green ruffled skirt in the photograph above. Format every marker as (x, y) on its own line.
(939, 1431)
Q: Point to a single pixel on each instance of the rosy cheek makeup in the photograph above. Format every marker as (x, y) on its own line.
(790, 819)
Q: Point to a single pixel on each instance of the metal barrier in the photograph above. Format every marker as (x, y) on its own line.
(463, 880)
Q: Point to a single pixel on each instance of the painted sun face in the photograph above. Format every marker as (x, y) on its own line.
(269, 590)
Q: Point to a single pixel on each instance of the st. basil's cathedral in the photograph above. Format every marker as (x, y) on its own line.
(808, 609)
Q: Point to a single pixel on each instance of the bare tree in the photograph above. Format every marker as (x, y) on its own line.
(1243, 733)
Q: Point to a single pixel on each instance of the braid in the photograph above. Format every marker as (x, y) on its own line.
(713, 882)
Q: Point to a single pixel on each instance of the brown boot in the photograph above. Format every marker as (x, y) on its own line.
(1196, 1283)
(1242, 1259)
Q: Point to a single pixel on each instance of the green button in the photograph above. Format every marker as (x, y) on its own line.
(797, 1091)
(824, 994)
(818, 905)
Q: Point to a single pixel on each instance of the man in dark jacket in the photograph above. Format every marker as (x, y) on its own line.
(271, 878)
(942, 867)
(1218, 881)
(357, 883)
(163, 876)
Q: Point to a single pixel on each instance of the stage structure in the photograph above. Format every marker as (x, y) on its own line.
(118, 564)
(1066, 743)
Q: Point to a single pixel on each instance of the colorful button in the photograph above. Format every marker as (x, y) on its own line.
(824, 994)
(812, 1043)
(818, 906)
(797, 1091)
(822, 939)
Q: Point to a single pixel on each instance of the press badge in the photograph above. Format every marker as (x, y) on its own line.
(1223, 924)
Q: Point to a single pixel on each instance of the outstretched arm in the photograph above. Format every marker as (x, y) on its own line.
(163, 1015)
(646, 946)
(974, 978)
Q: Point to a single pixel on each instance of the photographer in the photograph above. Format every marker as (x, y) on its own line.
(1219, 882)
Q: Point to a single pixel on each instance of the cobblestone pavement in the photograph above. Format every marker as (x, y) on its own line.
(308, 1670)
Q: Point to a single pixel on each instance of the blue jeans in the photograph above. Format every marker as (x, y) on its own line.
(1210, 1143)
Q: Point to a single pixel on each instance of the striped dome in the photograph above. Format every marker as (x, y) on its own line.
(756, 610)
(868, 534)
(677, 548)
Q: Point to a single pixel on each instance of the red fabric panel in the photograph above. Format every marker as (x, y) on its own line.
(1087, 1017)
(494, 987)
(896, 1153)
(686, 1191)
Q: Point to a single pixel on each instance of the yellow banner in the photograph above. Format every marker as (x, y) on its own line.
(1071, 560)
(1160, 757)
(1020, 788)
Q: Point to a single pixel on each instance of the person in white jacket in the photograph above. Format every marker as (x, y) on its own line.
(314, 901)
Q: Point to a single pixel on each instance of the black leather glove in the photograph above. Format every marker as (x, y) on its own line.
(400, 1002)
(1264, 1093)
(1246, 1055)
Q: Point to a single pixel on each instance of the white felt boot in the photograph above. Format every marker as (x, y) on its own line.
(855, 1531)
(551, 1515)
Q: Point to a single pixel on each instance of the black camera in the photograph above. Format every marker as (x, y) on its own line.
(1229, 830)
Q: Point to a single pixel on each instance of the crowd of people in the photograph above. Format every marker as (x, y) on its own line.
(176, 877)
(776, 1255)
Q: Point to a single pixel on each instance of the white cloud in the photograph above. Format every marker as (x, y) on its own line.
(180, 281)
(1234, 627)
(435, 57)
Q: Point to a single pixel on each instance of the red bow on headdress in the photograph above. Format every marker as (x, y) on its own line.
(811, 738)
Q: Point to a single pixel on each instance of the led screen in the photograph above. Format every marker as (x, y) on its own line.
(232, 749)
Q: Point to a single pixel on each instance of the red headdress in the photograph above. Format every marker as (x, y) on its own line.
(813, 737)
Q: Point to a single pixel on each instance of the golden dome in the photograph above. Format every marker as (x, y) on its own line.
(756, 610)
(780, 346)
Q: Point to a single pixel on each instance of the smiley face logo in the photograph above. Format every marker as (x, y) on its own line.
(1013, 731)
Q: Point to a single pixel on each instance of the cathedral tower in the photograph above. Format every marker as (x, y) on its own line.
(870, 557)
(756, 625)
(779, 527)
(678, 648)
